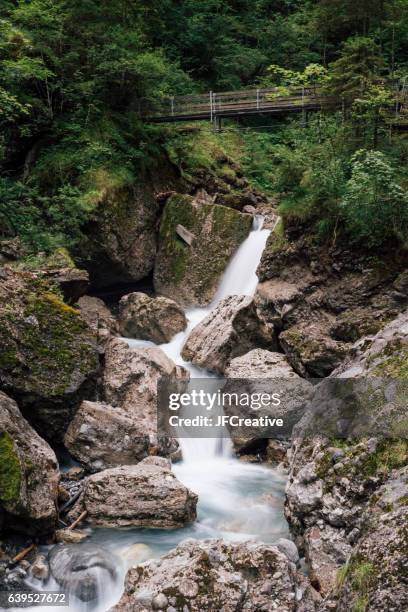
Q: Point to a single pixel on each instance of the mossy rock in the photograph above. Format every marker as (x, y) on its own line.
(29, 475)
(10, 478)
(190, 274)
(49, 355)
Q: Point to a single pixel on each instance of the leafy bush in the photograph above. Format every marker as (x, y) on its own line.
(375, 207)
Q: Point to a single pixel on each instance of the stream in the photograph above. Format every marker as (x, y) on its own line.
(237, 500)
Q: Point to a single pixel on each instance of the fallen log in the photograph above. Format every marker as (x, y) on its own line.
(78, 520)
(21, 555)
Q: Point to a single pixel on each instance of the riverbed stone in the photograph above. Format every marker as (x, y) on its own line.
(216, 575)
(144, 495)
(29, 475)
(190, 274)
(130, 381)
(260, 363)
(150, 318)
(102, 436)
(232, 329)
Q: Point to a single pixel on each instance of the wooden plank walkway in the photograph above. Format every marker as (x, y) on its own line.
(214, 106)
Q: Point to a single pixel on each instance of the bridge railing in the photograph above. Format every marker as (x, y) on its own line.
(215, 103)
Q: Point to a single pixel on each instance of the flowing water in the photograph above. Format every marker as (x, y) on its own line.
(237, 501)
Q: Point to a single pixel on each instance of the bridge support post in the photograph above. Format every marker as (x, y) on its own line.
(217, 123)
(211, 107)
(304, 118)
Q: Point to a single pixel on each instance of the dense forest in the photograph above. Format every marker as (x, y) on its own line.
(71, 75)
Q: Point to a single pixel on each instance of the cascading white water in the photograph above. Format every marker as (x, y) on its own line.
(237, 501)
(239, 278)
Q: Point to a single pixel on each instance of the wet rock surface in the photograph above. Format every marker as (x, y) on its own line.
(232, 329)
(156, 319)
(144, 495)
(191, 273)
(29, 475)
(130, 381)
(215, 575)
(102, 436)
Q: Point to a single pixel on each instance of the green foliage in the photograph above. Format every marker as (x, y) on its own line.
(375, 206)
(358, 67)
(72, 75)
(198, 149)
(310, 174)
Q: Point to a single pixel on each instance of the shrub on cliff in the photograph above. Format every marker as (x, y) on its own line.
(375, 206)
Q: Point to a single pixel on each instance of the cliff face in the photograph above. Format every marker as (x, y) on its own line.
(321, 300)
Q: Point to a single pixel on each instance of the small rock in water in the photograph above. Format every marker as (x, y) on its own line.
(69, 536)
(40, 568)
(137, 553)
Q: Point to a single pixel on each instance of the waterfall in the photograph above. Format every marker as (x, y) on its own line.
(239, 278)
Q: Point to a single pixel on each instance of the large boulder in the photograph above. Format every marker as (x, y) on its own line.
(130, 382)
(99, 318)
(253, 374)
(144, 495)
(49, 356)
(310, 349)
(146, 318)
(29, 475)
(102, 436)
(190, 271)
(121, 239)
(232, 329)
(215, 575)
(260, 363)
(131, 378)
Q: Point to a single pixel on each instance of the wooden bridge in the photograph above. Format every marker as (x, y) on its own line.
(214, 106)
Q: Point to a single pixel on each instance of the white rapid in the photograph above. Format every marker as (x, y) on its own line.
(237, 500)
